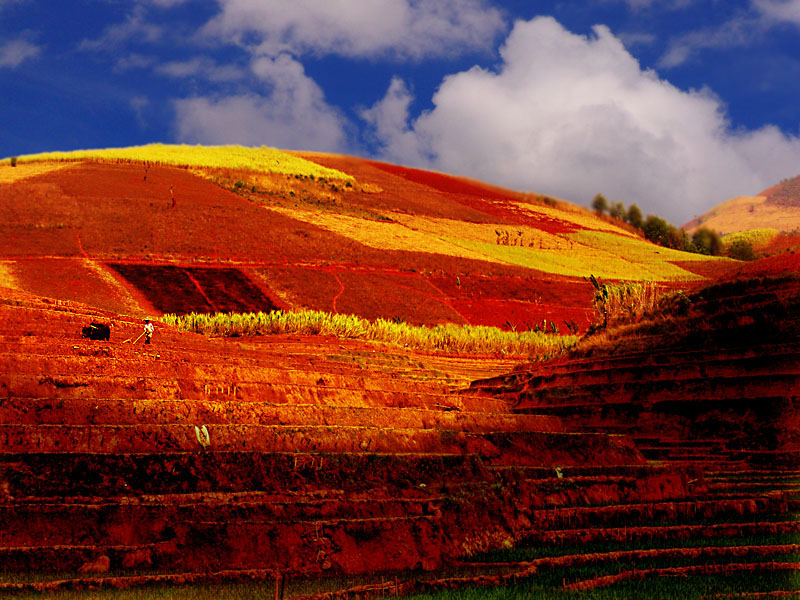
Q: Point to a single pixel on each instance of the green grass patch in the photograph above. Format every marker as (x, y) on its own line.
(463, 339)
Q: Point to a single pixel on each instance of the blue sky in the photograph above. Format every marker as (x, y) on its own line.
(675, 105)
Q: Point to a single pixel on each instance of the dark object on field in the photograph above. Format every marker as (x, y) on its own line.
(97, 331)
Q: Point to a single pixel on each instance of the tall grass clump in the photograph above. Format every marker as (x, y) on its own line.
(624, 302)
(448, 338)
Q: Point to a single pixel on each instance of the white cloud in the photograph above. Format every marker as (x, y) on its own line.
(572, 116)
(742, 29)
(134, 61)
(739, 30)
(202, 67)
(389, 121)
(291, 113)
(779, 10)
(135, 28)
(408, 29)
(139, 104)
(14, 52)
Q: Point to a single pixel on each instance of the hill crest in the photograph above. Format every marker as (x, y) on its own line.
(134, 232)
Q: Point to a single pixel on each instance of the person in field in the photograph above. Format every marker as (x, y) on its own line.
(148, 331)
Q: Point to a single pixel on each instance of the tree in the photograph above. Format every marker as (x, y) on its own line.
(741, 250)
(707, 242)
(656, 230)
(635, 217)
(617, 210)
(600, 204)
(677, 239)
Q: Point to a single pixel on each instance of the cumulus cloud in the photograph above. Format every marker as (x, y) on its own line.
(572, 116)
(14, 52)
(388, 122)
(289, 113)
(406, 29)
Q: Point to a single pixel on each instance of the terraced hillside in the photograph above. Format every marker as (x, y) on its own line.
(325, 457)
(714, 388)
(321, 456)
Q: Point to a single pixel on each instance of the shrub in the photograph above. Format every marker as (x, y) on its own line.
(741, 250)
(656, 230)
(707, 242)
(13, 161)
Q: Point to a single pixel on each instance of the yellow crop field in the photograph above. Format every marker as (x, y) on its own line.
(758, 238)
(9, 174)
(261, 159)
(577, 254)
(383, 235)
(578, 216)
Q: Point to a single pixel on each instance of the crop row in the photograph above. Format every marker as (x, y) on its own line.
(471, 339)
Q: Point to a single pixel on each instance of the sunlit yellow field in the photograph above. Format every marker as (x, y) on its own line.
(602, 253)
(580, 217)
(9, 174)
(232, 157)
(758, 238)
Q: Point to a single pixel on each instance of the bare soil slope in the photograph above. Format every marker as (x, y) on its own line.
(399, 243)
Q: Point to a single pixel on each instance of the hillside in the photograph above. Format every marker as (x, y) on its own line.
(163, 229)
(658, 459)
(313, 461)
(774, 208)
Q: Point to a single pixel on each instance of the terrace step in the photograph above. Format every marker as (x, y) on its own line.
(91, 476)
(633, 532)
(525, 447)
(145, 518)
(118, 411)
(152, 519)
(628, 515)
(152, 388)
(296, 547)
(650, 391)
(658, 364)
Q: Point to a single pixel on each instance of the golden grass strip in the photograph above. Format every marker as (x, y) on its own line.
(757, 238)
(607, 255)
(449, 338)
(231, 157)
(9, 174)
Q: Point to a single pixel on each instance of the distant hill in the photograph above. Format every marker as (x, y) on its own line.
(776, 208)
(174, 229)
